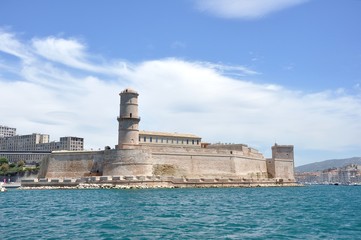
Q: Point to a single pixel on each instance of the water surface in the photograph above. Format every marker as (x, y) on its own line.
(319, 212)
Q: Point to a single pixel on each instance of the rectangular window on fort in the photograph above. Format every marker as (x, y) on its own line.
(162, 140)
(145, 139)
(150, 139)
(197, 142)
(156, 139)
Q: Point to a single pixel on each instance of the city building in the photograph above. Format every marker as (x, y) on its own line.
(7, 131)
(32, 148)
(348, 174)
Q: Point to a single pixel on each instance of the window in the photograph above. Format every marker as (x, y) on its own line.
(187, 141)
(150, 139)
(145, 139)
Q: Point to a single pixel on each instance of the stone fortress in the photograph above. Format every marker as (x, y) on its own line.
(170, 159)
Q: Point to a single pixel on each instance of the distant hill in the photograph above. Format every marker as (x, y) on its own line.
(333, 163)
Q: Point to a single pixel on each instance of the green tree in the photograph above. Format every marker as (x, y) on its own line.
(21, 163)
(3, 160)
(4, 167)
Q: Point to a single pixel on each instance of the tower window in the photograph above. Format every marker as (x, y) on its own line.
(150, 139)
(131, 114)
(145, 139)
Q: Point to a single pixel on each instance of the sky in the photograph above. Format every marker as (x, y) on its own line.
(257, 72)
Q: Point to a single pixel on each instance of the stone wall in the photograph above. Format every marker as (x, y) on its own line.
(127, 162)
(183, 162)
(72, 164)
(284, 169)
(179, 162)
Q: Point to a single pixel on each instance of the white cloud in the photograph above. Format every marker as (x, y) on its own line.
(244, 9)
(175, 95)
(10, 45)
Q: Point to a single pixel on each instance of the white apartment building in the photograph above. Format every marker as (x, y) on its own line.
(7, 131)
(72, 143)
(33, 147)
(23, 142)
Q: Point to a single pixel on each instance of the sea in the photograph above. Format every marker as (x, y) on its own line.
(310, 212)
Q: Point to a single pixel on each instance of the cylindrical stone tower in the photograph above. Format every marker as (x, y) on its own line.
(128, 119)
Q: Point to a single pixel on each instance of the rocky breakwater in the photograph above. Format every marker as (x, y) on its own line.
(144, 182)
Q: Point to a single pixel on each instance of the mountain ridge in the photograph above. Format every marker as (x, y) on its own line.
(326, 164)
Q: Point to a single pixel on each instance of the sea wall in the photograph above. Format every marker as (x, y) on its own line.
(183, 162)
(72, 164)
(178, 162)
(128, 182)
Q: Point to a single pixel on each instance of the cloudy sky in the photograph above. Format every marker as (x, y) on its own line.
(233, 71)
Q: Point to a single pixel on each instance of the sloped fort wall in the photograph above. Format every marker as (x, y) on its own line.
(163, 161)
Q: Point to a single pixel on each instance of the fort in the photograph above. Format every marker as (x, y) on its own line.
(166, 159)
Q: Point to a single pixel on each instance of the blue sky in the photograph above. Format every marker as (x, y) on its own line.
(254, 72)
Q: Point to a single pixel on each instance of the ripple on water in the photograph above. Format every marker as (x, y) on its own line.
(322, 212)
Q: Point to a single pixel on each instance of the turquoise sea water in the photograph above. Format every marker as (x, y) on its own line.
(317, 212)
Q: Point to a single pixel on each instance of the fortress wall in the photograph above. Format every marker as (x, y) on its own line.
(159, 161)
(255, 168)
(284, 169)
(195, 151)
(72, 164)
(127, 162)
(182, 162)
(192, 166)
(271, 168)
(207, 163)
